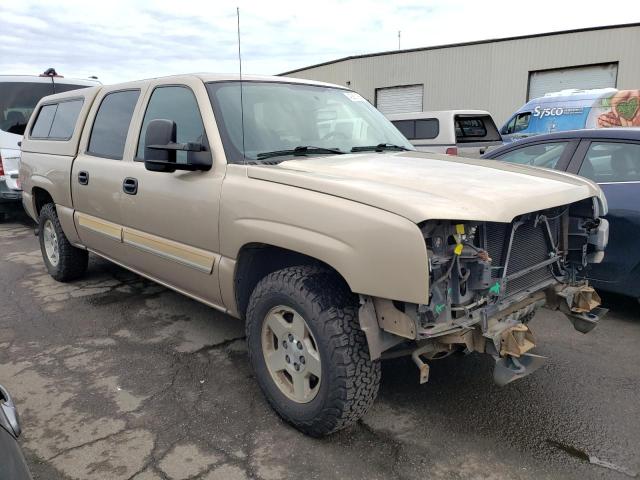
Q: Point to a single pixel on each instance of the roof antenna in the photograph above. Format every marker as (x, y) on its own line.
(244, 158)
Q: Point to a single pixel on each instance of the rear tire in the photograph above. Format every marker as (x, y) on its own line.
(64, 262)
(316, 318)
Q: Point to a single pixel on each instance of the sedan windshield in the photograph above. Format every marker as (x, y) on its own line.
(283, 120)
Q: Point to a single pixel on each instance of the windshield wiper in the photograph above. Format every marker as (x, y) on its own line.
(381, 147)
(298, 151)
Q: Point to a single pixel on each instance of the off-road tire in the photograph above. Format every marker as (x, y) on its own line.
(350, 379)
(73, 261)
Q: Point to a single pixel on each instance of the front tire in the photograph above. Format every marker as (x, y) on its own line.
(64, 262)
(310, 357)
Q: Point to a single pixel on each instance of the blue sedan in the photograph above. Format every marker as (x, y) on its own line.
(611, 158)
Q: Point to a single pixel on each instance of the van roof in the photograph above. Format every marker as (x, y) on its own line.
(586, 97)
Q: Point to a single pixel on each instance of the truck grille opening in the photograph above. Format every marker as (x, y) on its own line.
(531, 247)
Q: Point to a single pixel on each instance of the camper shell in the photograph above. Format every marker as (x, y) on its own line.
(467, 133)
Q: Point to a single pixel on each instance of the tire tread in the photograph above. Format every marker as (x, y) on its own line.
(357, 377)
(73, 261)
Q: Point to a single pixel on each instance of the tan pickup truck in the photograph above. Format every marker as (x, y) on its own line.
(297, 207)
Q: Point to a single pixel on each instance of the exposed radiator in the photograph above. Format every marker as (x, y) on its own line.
(531, 246)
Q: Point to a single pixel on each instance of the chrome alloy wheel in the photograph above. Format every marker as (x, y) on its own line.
(51, 243)
(291, 354)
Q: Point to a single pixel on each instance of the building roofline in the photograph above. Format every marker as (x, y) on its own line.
(463, 44)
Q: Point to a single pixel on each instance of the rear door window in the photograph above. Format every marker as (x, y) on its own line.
(612, 162)
(540, 154)
(42, 126)
(65, 119)
(111, 125)
(57, 121)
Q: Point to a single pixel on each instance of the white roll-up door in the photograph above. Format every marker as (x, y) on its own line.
(404, 99)
(584, 78)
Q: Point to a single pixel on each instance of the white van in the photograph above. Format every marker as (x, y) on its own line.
(467, 133)
(574, 110)
(19, 95)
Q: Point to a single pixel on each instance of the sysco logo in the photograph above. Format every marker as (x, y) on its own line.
(547, 112)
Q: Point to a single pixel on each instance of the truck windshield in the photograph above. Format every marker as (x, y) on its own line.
(18, 99)
(280, 117)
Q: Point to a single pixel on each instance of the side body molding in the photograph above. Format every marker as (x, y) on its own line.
(187, 255)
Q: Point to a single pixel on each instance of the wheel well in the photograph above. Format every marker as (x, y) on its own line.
(257, 260)
(41, 197)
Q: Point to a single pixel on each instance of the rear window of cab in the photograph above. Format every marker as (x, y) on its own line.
(56, 121)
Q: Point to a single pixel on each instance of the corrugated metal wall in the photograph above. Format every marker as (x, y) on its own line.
(490, 76)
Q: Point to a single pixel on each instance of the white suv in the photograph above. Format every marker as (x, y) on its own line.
(19, 95)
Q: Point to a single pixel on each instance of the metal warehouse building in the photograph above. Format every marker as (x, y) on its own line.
(496, 75)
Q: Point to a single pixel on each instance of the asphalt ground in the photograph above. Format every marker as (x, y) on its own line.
(118, 378)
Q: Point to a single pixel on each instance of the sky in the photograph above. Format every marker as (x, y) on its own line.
(118, 40)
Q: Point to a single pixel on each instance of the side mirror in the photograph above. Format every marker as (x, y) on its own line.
(160, 149)
(159, 132)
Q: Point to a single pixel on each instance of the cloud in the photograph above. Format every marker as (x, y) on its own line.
(123, 40)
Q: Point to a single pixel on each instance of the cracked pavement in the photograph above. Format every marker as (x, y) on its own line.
(116, 378)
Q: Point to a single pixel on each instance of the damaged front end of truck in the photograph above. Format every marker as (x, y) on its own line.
(487, 280)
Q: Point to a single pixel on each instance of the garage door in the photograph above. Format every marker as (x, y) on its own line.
(404, 99)
(593, 76)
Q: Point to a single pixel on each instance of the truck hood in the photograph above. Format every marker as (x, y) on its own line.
(423, 186)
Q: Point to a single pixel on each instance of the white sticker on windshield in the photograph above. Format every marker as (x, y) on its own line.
(354, 97)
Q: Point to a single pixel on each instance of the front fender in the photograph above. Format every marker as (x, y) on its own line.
(378, 253)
